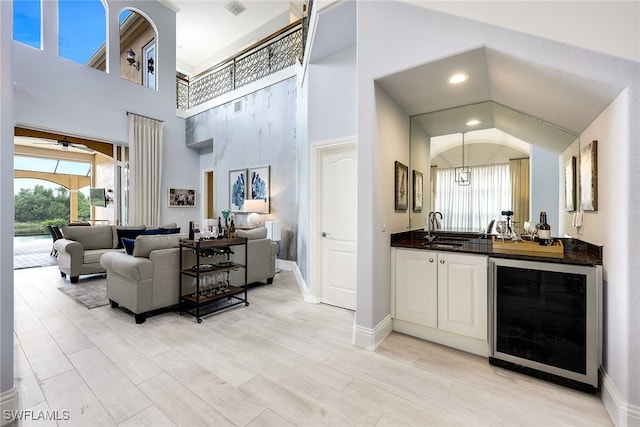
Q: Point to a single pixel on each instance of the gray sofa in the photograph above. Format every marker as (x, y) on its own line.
(148, 279)
(80, 249)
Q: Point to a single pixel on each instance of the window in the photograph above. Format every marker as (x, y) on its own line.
(27, 22)
(473, 206)
(137, 49)
(83, 31)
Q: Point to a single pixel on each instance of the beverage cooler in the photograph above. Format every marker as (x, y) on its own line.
(547, 320)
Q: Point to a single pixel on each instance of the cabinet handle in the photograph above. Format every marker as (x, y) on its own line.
(441, 261)
(430, 259)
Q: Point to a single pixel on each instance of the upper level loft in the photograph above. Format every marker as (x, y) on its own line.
(83, 32)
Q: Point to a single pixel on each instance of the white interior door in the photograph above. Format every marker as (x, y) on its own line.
(338, 226)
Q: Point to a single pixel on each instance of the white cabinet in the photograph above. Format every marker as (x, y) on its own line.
(417, 298)
(442, 297)
(462, 294)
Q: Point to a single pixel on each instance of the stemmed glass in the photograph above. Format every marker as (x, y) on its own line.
(501, 228)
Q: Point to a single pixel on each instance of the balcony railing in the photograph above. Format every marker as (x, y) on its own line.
(272, 54)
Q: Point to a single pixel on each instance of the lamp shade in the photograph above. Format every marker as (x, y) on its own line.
(253, 205)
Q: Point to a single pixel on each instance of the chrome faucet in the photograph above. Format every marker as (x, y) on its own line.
(432, 225)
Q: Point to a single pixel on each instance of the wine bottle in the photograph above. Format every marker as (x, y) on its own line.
(196, 231)
(220, 233)
(226, 228)
(232, 229)
(544, 230)
(190, 230)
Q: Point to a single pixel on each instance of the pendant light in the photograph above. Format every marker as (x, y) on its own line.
(463, 174)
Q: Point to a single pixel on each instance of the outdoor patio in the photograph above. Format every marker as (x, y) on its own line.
(33, 252)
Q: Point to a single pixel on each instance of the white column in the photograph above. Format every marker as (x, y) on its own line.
(8, 391)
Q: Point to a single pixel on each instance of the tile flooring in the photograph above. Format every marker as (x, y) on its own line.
(278, 362)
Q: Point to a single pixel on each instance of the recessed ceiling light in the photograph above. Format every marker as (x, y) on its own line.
(458, 78)
(474, 122)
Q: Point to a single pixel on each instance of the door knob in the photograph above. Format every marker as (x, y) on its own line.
(430, 259)
(325, 234)
(441, 261)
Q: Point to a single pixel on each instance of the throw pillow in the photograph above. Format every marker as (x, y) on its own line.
(169, 230)
(128, 245)
(151, 231)
(127, 234)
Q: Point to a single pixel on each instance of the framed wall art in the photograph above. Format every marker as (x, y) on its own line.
(182, 198)
(417, 190)
(401, 185)
(259, 184)
(570, 184)
(589, 177)
(237, 189)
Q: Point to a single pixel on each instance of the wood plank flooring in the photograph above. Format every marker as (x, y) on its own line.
(278, 362)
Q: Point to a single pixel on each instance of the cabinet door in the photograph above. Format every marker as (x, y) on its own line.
(417, 287)
(462, 294)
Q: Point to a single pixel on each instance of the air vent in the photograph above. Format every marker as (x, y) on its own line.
(235, 7)
(237, 106)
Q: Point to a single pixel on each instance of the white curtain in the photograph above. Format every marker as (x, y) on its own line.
(145, 163)
(471, 207)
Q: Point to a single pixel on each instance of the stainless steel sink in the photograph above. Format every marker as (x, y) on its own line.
(442, 244)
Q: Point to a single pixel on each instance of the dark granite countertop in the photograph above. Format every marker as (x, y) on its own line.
(575, 251)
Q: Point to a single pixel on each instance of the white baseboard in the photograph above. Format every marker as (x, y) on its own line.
(8, 403)
(622, 414)
(369, 338)
(304, 290)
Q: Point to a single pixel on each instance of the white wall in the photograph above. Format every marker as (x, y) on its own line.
(413, 36)
(611, 225)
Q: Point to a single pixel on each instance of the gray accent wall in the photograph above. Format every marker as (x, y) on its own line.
(255, 130)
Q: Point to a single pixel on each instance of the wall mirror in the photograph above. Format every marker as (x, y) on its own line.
(499, 135)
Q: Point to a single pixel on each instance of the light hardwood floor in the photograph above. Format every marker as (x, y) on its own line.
(278, 362)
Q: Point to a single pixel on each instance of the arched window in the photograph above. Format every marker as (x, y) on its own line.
(27, 22)
(137, 49)
(82, 32)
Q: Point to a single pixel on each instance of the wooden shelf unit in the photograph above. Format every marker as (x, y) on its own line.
(198, 305)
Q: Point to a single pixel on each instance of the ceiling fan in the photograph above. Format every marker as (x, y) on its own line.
(65, 144)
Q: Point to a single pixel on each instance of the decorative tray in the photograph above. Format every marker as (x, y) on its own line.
(203, 267)
(526, 246)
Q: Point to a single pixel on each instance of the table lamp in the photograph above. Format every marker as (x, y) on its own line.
(253, 206)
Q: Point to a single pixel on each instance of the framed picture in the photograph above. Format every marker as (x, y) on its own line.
(259, 186)
(417, 190)
(589, 177)
(570, 184)
(401, 185)
(237, 189)
(182, 198)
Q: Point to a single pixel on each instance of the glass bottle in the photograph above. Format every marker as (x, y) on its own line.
(232, 229)
(226, 228)
(196, 231)
(544, 230)
(220, 231)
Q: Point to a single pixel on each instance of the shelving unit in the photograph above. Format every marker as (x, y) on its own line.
(201, 303)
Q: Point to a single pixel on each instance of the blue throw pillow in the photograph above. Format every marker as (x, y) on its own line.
(170, 230)
(128, 245)
(150, 231)
(128, 234)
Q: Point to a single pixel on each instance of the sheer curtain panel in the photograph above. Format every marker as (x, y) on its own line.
(471, 207)
(145, 160)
